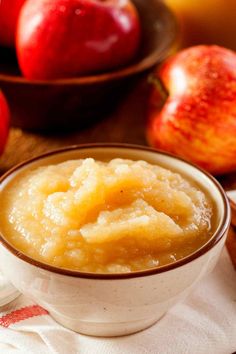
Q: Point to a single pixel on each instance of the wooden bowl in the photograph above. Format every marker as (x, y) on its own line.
(75, 102)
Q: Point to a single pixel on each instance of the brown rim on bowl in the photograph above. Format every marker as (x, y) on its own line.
(216, 237)
(134, 68)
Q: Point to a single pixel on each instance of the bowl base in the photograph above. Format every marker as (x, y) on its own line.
(104, 329)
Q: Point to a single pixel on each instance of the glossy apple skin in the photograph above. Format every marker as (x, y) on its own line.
(4, 122)
(64, 38)
(198, 119)
(9, 12)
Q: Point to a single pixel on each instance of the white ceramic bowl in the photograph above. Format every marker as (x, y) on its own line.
(115, 304)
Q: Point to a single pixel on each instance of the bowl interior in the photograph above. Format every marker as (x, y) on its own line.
(158, 34)
(103, 152)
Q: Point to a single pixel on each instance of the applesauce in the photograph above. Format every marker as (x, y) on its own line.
(105, 217)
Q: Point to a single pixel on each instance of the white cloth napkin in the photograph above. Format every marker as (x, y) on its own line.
(205, 323)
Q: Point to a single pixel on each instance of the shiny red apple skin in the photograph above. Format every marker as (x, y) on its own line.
(198, 119)
(4, 122)
(9, 12)
(64, 38)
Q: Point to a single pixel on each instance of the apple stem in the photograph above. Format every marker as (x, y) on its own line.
(157, 83)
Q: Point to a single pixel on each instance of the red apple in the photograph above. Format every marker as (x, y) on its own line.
(63, 38)
(4, 121)
(9, 11)
(198, 118)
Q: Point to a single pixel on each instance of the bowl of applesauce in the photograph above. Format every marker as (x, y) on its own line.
(108, 237)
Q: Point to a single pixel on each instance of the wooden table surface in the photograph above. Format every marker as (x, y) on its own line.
(125, 125)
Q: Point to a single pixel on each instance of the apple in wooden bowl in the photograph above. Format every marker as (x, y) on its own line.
(63, 101)
(9, 12)
(66, 38)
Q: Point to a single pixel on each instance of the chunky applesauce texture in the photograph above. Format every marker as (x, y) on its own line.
(105, 217)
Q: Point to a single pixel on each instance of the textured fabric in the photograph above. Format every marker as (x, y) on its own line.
(205, 323)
